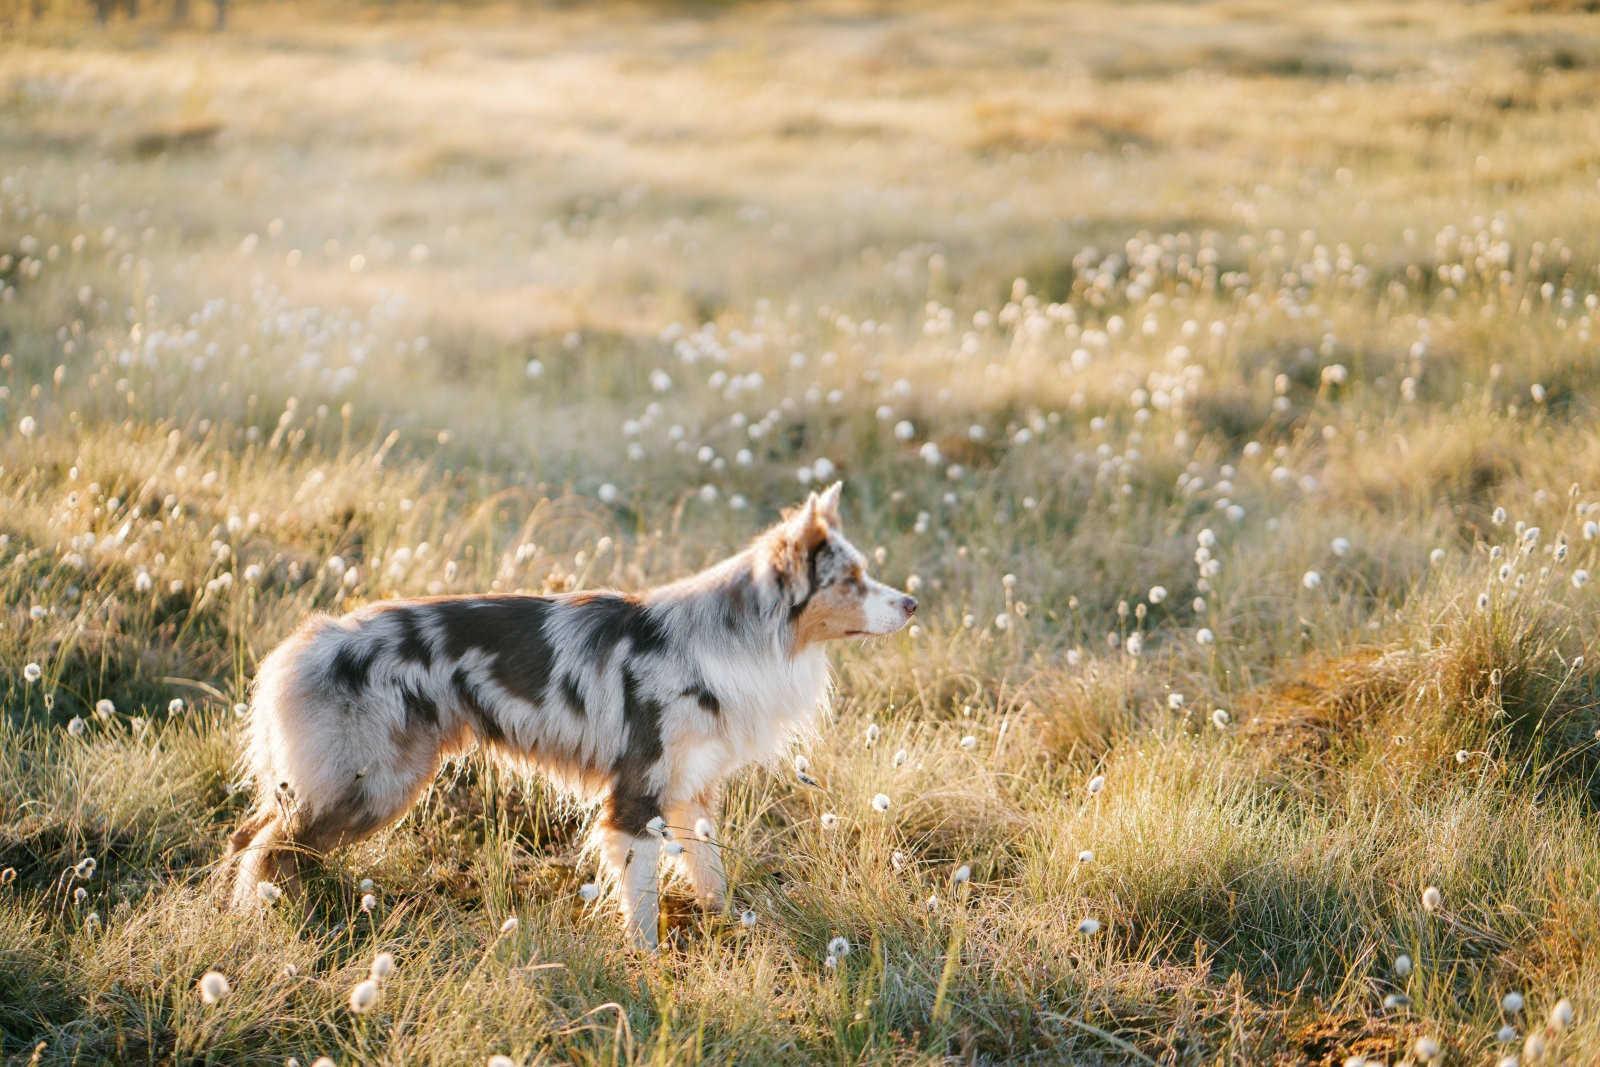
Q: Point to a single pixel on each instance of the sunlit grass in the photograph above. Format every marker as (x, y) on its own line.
(1220, 380)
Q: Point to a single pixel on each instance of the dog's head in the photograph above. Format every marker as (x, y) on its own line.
(824, 577)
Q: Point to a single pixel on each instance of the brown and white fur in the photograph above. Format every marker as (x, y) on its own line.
(648, 701)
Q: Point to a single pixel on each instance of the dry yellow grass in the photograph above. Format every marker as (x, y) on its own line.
(1183, 356)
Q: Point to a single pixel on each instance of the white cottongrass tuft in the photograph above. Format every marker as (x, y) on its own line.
(589, 892)
(969, 742)
(880, 803)
(1097, 783)
(748, 919)
(839, 947)
(1311, 580)
(510, 925)
(1086, 856)
(1089, 927)
(961, 874)
(1220, 718)
(829, 820)
(1157, 594)
(369, 902)
(364, 996)
(1204, 636)
(900, 757)
(76, 726)
(1432, 899)
(1506, 1034)
(214, 986)
(32, 672)
(1562, 1014)
(268, 892)
(1534, 1047)
(382, 966)
(703, 829)
(1402, 965)
(1426, 1048)
(1511, 1003)
(500, 1059)
(1340, 546)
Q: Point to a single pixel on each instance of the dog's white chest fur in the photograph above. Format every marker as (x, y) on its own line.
(765, 706)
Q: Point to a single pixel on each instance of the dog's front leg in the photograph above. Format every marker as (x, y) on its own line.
(632, 860)
(695, 825)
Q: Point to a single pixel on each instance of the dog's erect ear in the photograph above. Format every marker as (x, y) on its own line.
(803, 528)
(828, 503)
(808, 523)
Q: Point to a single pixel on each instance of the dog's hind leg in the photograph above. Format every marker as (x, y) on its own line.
(266, 856)
(248, 829)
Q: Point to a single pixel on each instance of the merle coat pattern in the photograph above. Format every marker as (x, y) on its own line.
(647, 701)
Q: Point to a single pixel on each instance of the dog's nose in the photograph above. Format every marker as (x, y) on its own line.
(909, 603)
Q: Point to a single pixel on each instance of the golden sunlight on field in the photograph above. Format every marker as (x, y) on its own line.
(1220, 377)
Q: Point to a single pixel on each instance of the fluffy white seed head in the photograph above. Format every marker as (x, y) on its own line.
(880, 803)
(382, 966)
(1511, 1003)
(589, 892)
(839, 947)
(1432, 899)
(1089, 927)
(1402, 965)
(364, 996)
(214, 986)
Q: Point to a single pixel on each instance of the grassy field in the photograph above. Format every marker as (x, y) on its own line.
(1221, 376)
